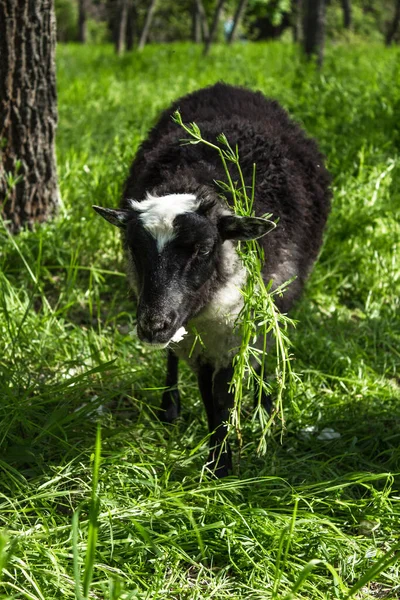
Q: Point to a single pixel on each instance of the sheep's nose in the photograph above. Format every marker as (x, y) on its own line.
(160, 323)
(154, 327)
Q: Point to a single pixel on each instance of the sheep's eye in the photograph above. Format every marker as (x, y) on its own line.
(204, 251)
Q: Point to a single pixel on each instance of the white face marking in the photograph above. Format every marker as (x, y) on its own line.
(158, 214)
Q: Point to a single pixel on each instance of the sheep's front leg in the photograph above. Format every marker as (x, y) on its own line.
(171, 400)
(214, 389)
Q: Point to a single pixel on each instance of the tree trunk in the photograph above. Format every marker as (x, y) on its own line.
(130, 26)
(196, 24)
(82, 27)
(394, 25)
(203, 18)
(237, 18)
(28, 111)
(297, 21)
(346, 5)
(214, 26)
(121, 27)
(147, 24)
(314, 29)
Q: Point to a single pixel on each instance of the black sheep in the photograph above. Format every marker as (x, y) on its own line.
(180, 236)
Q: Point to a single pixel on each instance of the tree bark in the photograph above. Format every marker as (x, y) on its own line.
(394, 25)
(346, 5)
(214, 26)
(28, 112)
(121, 27)
(297, 21)
(130, 26)
(237, 18)
(314, 29)
(147, 24)
(203, 17)
(196, 24)
(82, 25)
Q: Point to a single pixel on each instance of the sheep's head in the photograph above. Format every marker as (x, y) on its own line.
(175, 250)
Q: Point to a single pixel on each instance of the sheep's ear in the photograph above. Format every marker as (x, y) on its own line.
(119, 218)
(243, 228)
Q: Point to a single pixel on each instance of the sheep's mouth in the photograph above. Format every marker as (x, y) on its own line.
(158, 344)
(156, 339)
(155, 345)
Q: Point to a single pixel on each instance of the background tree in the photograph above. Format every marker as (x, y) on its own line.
(236, 19)
(394, 25)
(297, 6)
(203, 17)
(196, 23)
(121, 26)
(28, 111)
(314, 29)
(174, 20)
(214, 26)
(82, 22)
(346, 5)
(131, 21)
(147, 24)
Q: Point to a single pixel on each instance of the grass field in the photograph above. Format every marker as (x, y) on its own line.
(313, 519)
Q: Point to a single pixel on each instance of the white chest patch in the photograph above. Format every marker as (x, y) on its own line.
(158, 213)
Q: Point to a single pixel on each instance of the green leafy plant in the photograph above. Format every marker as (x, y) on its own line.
(259, 318)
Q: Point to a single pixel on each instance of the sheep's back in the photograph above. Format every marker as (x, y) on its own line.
(291, 180)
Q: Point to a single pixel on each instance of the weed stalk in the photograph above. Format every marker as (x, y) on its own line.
(259, 318)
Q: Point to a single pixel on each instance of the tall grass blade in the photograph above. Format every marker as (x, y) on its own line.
(75, 555)
(93, 518)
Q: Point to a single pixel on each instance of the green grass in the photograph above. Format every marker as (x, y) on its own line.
(312, 519)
